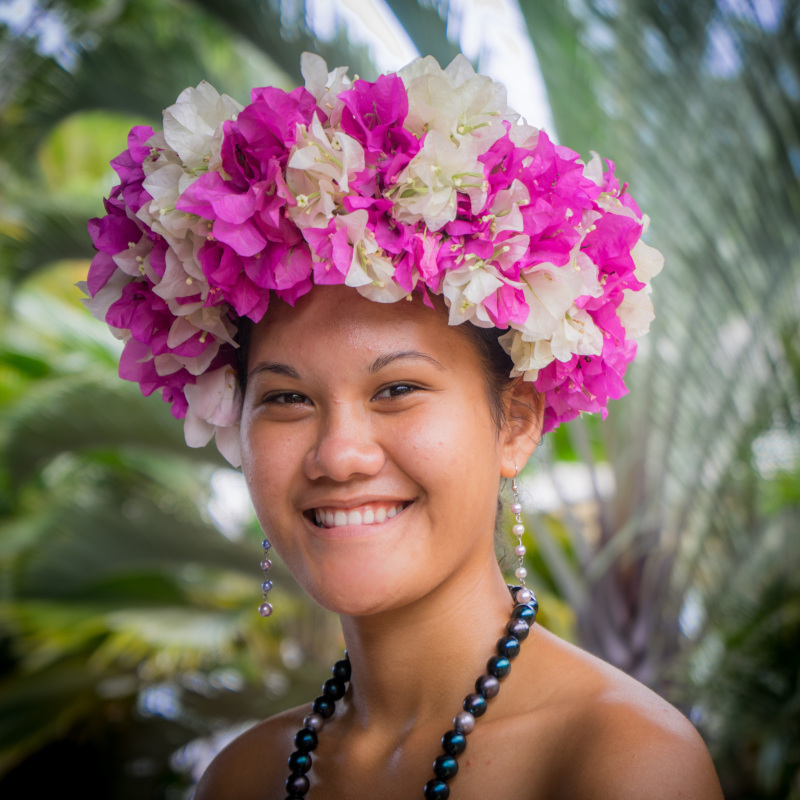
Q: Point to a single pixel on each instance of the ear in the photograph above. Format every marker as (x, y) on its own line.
(523, 427)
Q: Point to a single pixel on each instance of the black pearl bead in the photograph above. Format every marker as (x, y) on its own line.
(475, 703)
(436, 790)
(305, 740)
(299, 763)
(297, 785)
(334, 689)
(499, 666)
(524, 612)
(487, 686)
(518, 628)
(445, 767)
(341, 670)
(508, 646)
(323, 706)
(454, 742)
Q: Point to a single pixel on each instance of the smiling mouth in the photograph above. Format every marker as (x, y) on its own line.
(368, 514)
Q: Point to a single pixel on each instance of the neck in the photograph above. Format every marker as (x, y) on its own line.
(414, 665)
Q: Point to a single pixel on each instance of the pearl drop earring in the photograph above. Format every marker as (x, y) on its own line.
(265, 609)
(518, 529)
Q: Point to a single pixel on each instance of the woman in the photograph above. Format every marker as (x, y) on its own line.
(375, 435)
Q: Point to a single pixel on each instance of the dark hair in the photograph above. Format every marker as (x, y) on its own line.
(243, 333)
(497, 364)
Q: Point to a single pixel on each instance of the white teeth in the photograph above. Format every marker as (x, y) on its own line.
(367, 516)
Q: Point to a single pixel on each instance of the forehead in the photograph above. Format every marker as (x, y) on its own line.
(338, 320)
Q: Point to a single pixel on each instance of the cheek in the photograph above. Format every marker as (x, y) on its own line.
(267, 469)
(455, 448)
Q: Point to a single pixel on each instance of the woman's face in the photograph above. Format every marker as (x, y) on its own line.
(369, 449)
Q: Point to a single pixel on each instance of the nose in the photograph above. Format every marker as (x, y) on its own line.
(345, 448)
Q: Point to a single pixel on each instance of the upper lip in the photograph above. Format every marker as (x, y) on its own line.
(355, 502)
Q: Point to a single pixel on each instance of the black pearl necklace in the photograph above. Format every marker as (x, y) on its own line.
(454, 742)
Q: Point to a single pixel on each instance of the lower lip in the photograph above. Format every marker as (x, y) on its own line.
(352, 532)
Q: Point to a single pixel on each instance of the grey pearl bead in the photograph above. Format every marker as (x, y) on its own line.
(488, 686)
(524, 596)
(464, 721)
(265, 609)
(313, 721)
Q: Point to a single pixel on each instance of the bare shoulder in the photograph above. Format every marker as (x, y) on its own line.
(643, 747)
(252, 761)
(621, 740)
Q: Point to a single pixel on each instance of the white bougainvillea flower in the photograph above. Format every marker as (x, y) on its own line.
(550, 292)
(528, 357)
(319, 172)
(576, 334)
(370, 270)
(135, 261)
(315, 200)
(193, 125)
(99, 303)
(169, 363)
(455, 102)
(214, 401)
(636, 312)
(649, 261)
(164, 185)
(465, 289)
(509, 251)
(325, 86)
(339, 158)
(426, 189)
(182, 278)
(504, 214)
(593, 169)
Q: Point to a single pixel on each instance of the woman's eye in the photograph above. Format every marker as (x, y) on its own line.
(287, 399)
(396, 390)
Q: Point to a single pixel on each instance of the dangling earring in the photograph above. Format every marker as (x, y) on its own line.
(265, 609)
(518, 529)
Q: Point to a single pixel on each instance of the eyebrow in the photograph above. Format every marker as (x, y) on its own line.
(377, 365)
(275, 367)
(390, 358)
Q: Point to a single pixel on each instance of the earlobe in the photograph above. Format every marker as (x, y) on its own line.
(523, 427)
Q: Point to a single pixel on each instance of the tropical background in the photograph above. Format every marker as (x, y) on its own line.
(666, 539)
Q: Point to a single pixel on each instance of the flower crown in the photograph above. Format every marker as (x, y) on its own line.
(423, 181)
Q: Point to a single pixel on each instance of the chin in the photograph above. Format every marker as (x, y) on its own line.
(358, 577)
(356, 593)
